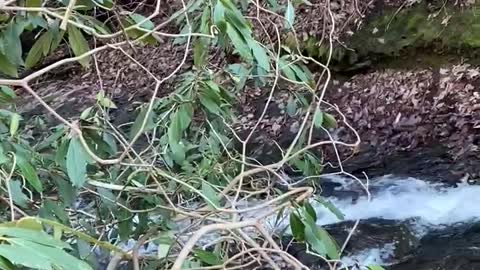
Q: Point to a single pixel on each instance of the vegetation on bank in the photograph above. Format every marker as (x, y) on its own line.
(179, 170)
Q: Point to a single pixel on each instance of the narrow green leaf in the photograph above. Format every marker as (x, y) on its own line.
(209, 104)
(330, 245)
(199, 53)
(6, 67)
(29, 223)
(287, 70)
(18, 196)
(79, 44)
(318, 118)
(52, 255)
(178, 152)
(314, 241)
(6, 265)
(163, 250)
(309, 209)
(66, 191)
(35, 53)
(297, 227)
(260, 54)
(142, 21)
(12, 43)
(291, 107)
(14, 124)
(300, 74)
(207, 257)
(61, 154)
(210, 194)
(218, 13)
(29, 172)
(7, 94)
(185, 114)
(330, 206)
(175, 129)
(16, 255)
(76, 163)
(33, 3)
(238, 42)
(39, 237)
(329, 121)
(137, 125)
(105, 101)
(289, 15)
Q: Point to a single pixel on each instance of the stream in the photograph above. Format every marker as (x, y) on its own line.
(407, 224)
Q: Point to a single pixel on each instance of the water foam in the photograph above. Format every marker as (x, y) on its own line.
(409, 198)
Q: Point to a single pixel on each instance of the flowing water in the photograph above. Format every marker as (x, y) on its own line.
(424, 206)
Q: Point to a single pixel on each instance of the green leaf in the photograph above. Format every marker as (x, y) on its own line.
(178, 152)
(210, 194)
(238, 42)
(16, 255)
(260, 54)
(286, 69)
(6, 265)
(209, 104)
(163, 250)
(240, 74)
(105, 101)
(29, 172)
(17, 194)
(289, 15)
(375, 267)
(207, 257)
(12, 43)
(291, 107)
(314, 240)
(66, 191)
(309, 209)
(142, 21)
(6, 67)
(199, 53)
(218, 12)
(7, 94)
(318, 118)
(320, 240)
(61, 154)
(330, 206)
(39, 237)
(300, 74)
(137, 125)
(332, 248)
(175, 129)
(33, 3)
(76, 163)
(185, 114)
(29, 223)
(41, 47)
(14, 123)
(297, 227)
(79, 44)
(52, 257)
(329, 121)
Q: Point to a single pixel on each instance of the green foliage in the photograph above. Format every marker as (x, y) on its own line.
(304, 229)
(184, 146)
(44, 252)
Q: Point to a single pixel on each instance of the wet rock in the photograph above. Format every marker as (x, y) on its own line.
(447, 249)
